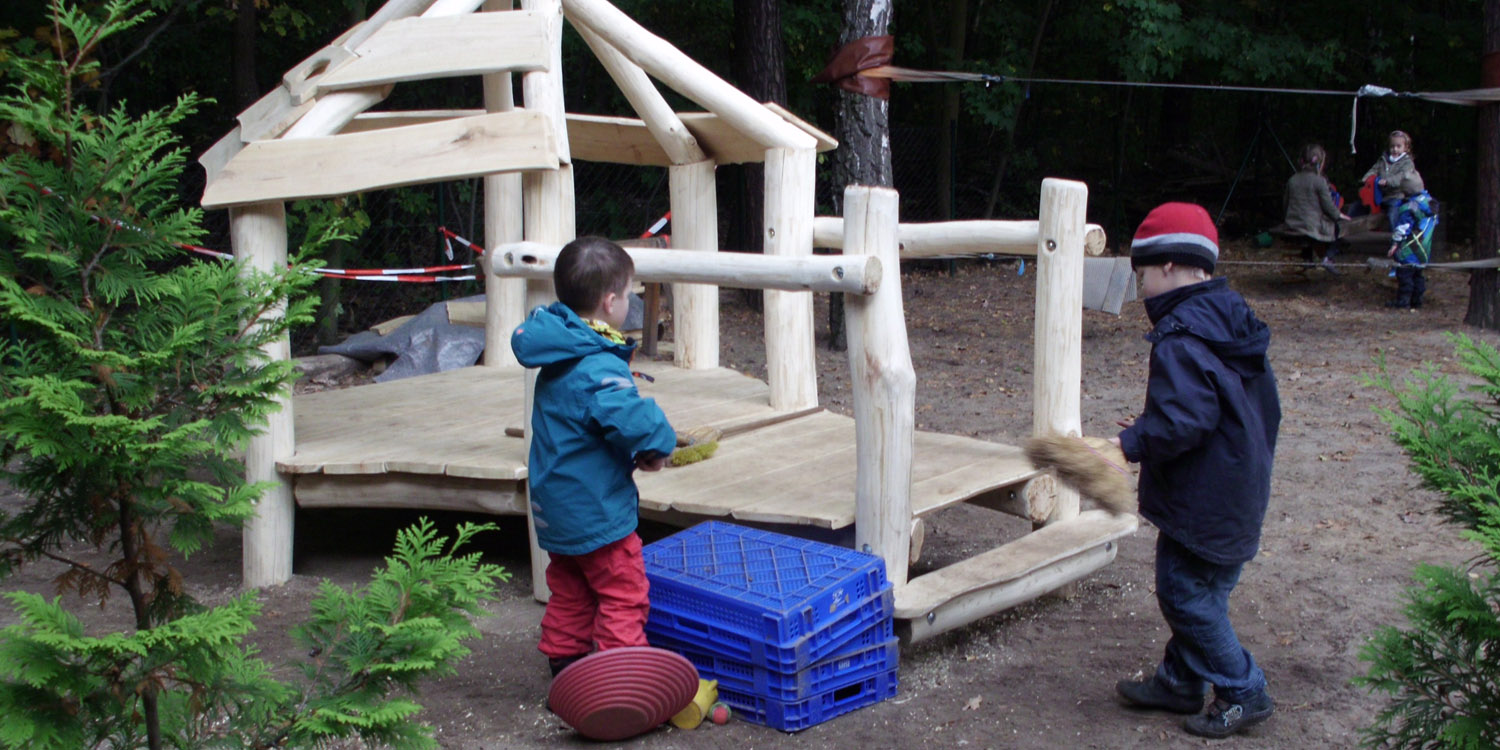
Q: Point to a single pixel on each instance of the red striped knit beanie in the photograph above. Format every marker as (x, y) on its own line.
(1176, 233)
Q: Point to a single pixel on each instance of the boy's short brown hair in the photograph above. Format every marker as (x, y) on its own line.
(589, 268)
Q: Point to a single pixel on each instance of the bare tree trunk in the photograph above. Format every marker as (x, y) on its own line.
(1015, 124)
(953, 49)
(246, 90)
(330, 290)
(863, 131)
(759, 67)
(1484, 285)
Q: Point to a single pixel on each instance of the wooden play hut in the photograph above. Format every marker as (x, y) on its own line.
(439, 441)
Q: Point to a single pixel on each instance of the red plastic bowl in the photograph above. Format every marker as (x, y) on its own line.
(623, 692)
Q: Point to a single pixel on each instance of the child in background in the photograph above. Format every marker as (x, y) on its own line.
(1415, 219)
(1388, 172)
(1310, 210)
(1205, 442)
(590, 429)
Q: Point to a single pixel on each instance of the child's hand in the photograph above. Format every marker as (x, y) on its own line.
(1391, 253)
(651, 461)
(1115, 441)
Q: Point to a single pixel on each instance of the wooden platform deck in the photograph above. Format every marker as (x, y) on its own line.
(438, 441)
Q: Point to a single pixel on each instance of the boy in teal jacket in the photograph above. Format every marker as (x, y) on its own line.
(590, 430)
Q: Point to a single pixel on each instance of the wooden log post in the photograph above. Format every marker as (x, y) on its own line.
(694, 202)
(814, 273)
(504, 298)
(884, 387)
(948, 239)
(258, 234)
(1058, 369)
(547, 216)
(791, 367)
(695, 228)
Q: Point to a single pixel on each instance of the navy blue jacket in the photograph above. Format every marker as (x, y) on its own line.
(1206, 438)
(588, 423)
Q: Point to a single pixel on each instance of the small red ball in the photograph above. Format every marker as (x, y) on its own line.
(719, 713)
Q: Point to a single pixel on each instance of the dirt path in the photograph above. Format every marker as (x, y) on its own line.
(1346, 526)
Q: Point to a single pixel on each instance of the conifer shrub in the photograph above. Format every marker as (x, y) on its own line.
(1441, 671)
(131, 376)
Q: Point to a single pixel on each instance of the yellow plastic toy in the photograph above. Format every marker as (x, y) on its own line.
(698, 710)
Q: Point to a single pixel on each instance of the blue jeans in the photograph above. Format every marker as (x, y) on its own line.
(1193, 594)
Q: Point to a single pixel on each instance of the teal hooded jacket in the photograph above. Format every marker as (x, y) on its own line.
(588, 424)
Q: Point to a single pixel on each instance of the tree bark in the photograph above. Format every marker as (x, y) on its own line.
(953, 52)
(863, 131)
(246, 90)
(1015, 124)
(759, 67)
(1484, 284)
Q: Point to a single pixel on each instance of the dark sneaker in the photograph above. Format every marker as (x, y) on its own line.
(1224, 718)
(1149, 693)
(561, 663)
(1327, 265)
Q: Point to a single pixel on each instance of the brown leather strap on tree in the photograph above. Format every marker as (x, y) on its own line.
(844, 70)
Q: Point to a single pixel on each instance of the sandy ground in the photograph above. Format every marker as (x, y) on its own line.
(1346, 526)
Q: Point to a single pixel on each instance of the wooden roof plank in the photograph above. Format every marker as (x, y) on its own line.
(412, 49)
(342, 164)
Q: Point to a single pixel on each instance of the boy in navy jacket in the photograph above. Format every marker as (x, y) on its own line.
(1205, 442)
(590, 429)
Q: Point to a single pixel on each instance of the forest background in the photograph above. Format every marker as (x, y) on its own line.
(959, 151)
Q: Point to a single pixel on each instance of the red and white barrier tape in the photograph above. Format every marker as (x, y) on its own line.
(658, 225)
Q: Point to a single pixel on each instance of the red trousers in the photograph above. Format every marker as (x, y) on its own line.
(597, 598)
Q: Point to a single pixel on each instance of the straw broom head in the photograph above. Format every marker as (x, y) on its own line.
(1093, 466)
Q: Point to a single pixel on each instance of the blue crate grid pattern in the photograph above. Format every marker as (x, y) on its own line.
(869, 622)
(769, 585)
(853, 664)
(795, 631)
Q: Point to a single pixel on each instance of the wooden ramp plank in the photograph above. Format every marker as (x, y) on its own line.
(409, 491)
(721, 484)
(949, 469)
(802, 472)
(414, 49)
(1012, 573)
(795, 468)
(453, 423)
(518, 140)
(421, 425)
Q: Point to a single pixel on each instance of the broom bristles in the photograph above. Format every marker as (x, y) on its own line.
(1093, 466)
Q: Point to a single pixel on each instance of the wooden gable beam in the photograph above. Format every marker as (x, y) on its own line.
(412, 49)
(342, 164)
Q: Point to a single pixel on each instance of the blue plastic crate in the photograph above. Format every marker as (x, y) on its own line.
(699, 629)
(798, 715)
(844, 668)
(767, 586)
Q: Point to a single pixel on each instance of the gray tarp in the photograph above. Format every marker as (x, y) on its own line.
(428, 343)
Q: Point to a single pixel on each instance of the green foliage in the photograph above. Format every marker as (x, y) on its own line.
(1442, 672)
(409, 623)
(61, 688)
(133, 374)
